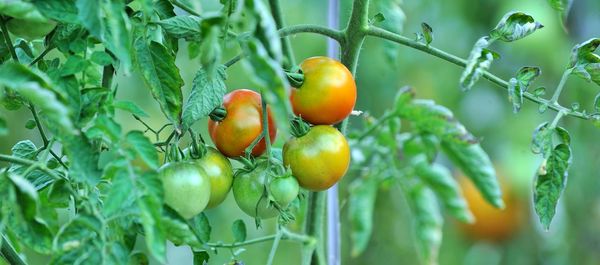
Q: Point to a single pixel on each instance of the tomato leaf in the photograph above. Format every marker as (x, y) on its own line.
(427, 32)
(597, 103)
(519, 84)
(427, 222)
(440, 180)
(3, 127)
(138, 143)
(59, 10)
(182, 27)
(394, 22)
(584, 62)
(201, 227)
(151, 205)
(161, 75)
(21, 9)
(130, 107)
(361, 204)
(265, 30)
(550, 183)
(562, 7)
(201, 257)
(178, 230)
(476, 165)
(480, 59)
(207, 94)
(541, 142)
(239, 231)
(514, 26)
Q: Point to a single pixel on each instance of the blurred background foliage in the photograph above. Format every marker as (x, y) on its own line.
(574, 236)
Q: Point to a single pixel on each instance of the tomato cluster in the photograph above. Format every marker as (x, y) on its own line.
(315, 159)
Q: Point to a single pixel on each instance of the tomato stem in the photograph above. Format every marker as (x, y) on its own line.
(218, 114)
(296, 79)
(299, 127)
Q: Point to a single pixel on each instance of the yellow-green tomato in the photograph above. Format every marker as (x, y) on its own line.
(30, 30)
(186, 188)
(248, 190)
(318, 159)
(219, 170)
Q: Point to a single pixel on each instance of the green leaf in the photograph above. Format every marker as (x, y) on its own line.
(207, 94)
(541, 142)
(3, 127)
(64, 35)
(427, 222)
(138, 143)
(514, 26)
(239, 231)
(101, 58)
(178, 230)
(90, 15)
(517, 86)
(270, 78)
(427, 33)
(161, 75)
(562, 7)
(480, 59)
(550, 183)
(130, 107)
(120, 195)
(60, 10)
(440, 180)
(377, 18)
(476, 165)
(138, 258)
(36, 87)
(589, 72)
(164, 9)
(21, 9)
(151, 205)
(83, 159)
(361, 204)
(597, 103)
(266, 29)
(201, 227)
(584, 62)
(182, 27)
(73, 65)
(394, 22)
(201, 257)
(105, 128)
(210, 55)
(431, 118)
(563, 135)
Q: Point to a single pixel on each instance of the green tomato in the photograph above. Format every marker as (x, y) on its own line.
(186, 188)
(284, 190)
(219, 170)
(248, 189)
(30, 30)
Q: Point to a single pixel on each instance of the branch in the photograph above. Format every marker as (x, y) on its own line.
(27, 162)
(41, 56)
(307, 28)
(286, 44)
(9, 253)
(7, 39)
(285, 235)
(384, 34)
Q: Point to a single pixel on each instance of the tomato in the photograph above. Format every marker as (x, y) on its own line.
(241, 125)
(248, 189)
(219, 170)
(491, 223)
(30, 30)
(318, 159)
(284, 190)
(328, 93)
(186, 188)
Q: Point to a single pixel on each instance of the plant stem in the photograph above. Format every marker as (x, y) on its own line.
(7, 39)
(274, 247)
(376, 125)
(308, 28)
(9, 253)
(185, 7)
(286, 44)
(265, 124)
(233, 60)
(384, 34)
(557, 118)
(314, 228)
(285, 235)
(561, 85)
(354, 34)
(27, 162)
(41, 56)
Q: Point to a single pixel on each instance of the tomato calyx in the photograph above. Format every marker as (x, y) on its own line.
(198, 149)
(295, 77)
(299, 127)
(218, 114)
(174, 154)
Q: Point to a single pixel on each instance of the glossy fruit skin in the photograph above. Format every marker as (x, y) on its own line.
(318, 159)
(248, 190)
(242, 124)
(186, 188)
(284, 190)
(220, 172)
(30, 30)
(491, 224)
(328, 93)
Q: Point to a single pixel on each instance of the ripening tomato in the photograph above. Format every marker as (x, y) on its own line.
(491, 223)
(328, 93)
(241, 125)
(219, 170)
(30, 30)
(318, 159)
(248, 191)
(186, 188)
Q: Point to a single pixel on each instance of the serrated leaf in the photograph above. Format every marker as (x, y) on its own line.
(440, 180)
(120, 195)
(143, 147)
(130, 107)
(270, 78)
(73, 65)
(550, 183)
(361, 204)
(515, 25)
(161, 75)
(60, 10)
(83, 159)
(238, 228)
(427, 222)
(178, 230)
(36, 87)
(182, 27)
(104, 128)
(480, 59)
(207, 94)
(478, 167)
